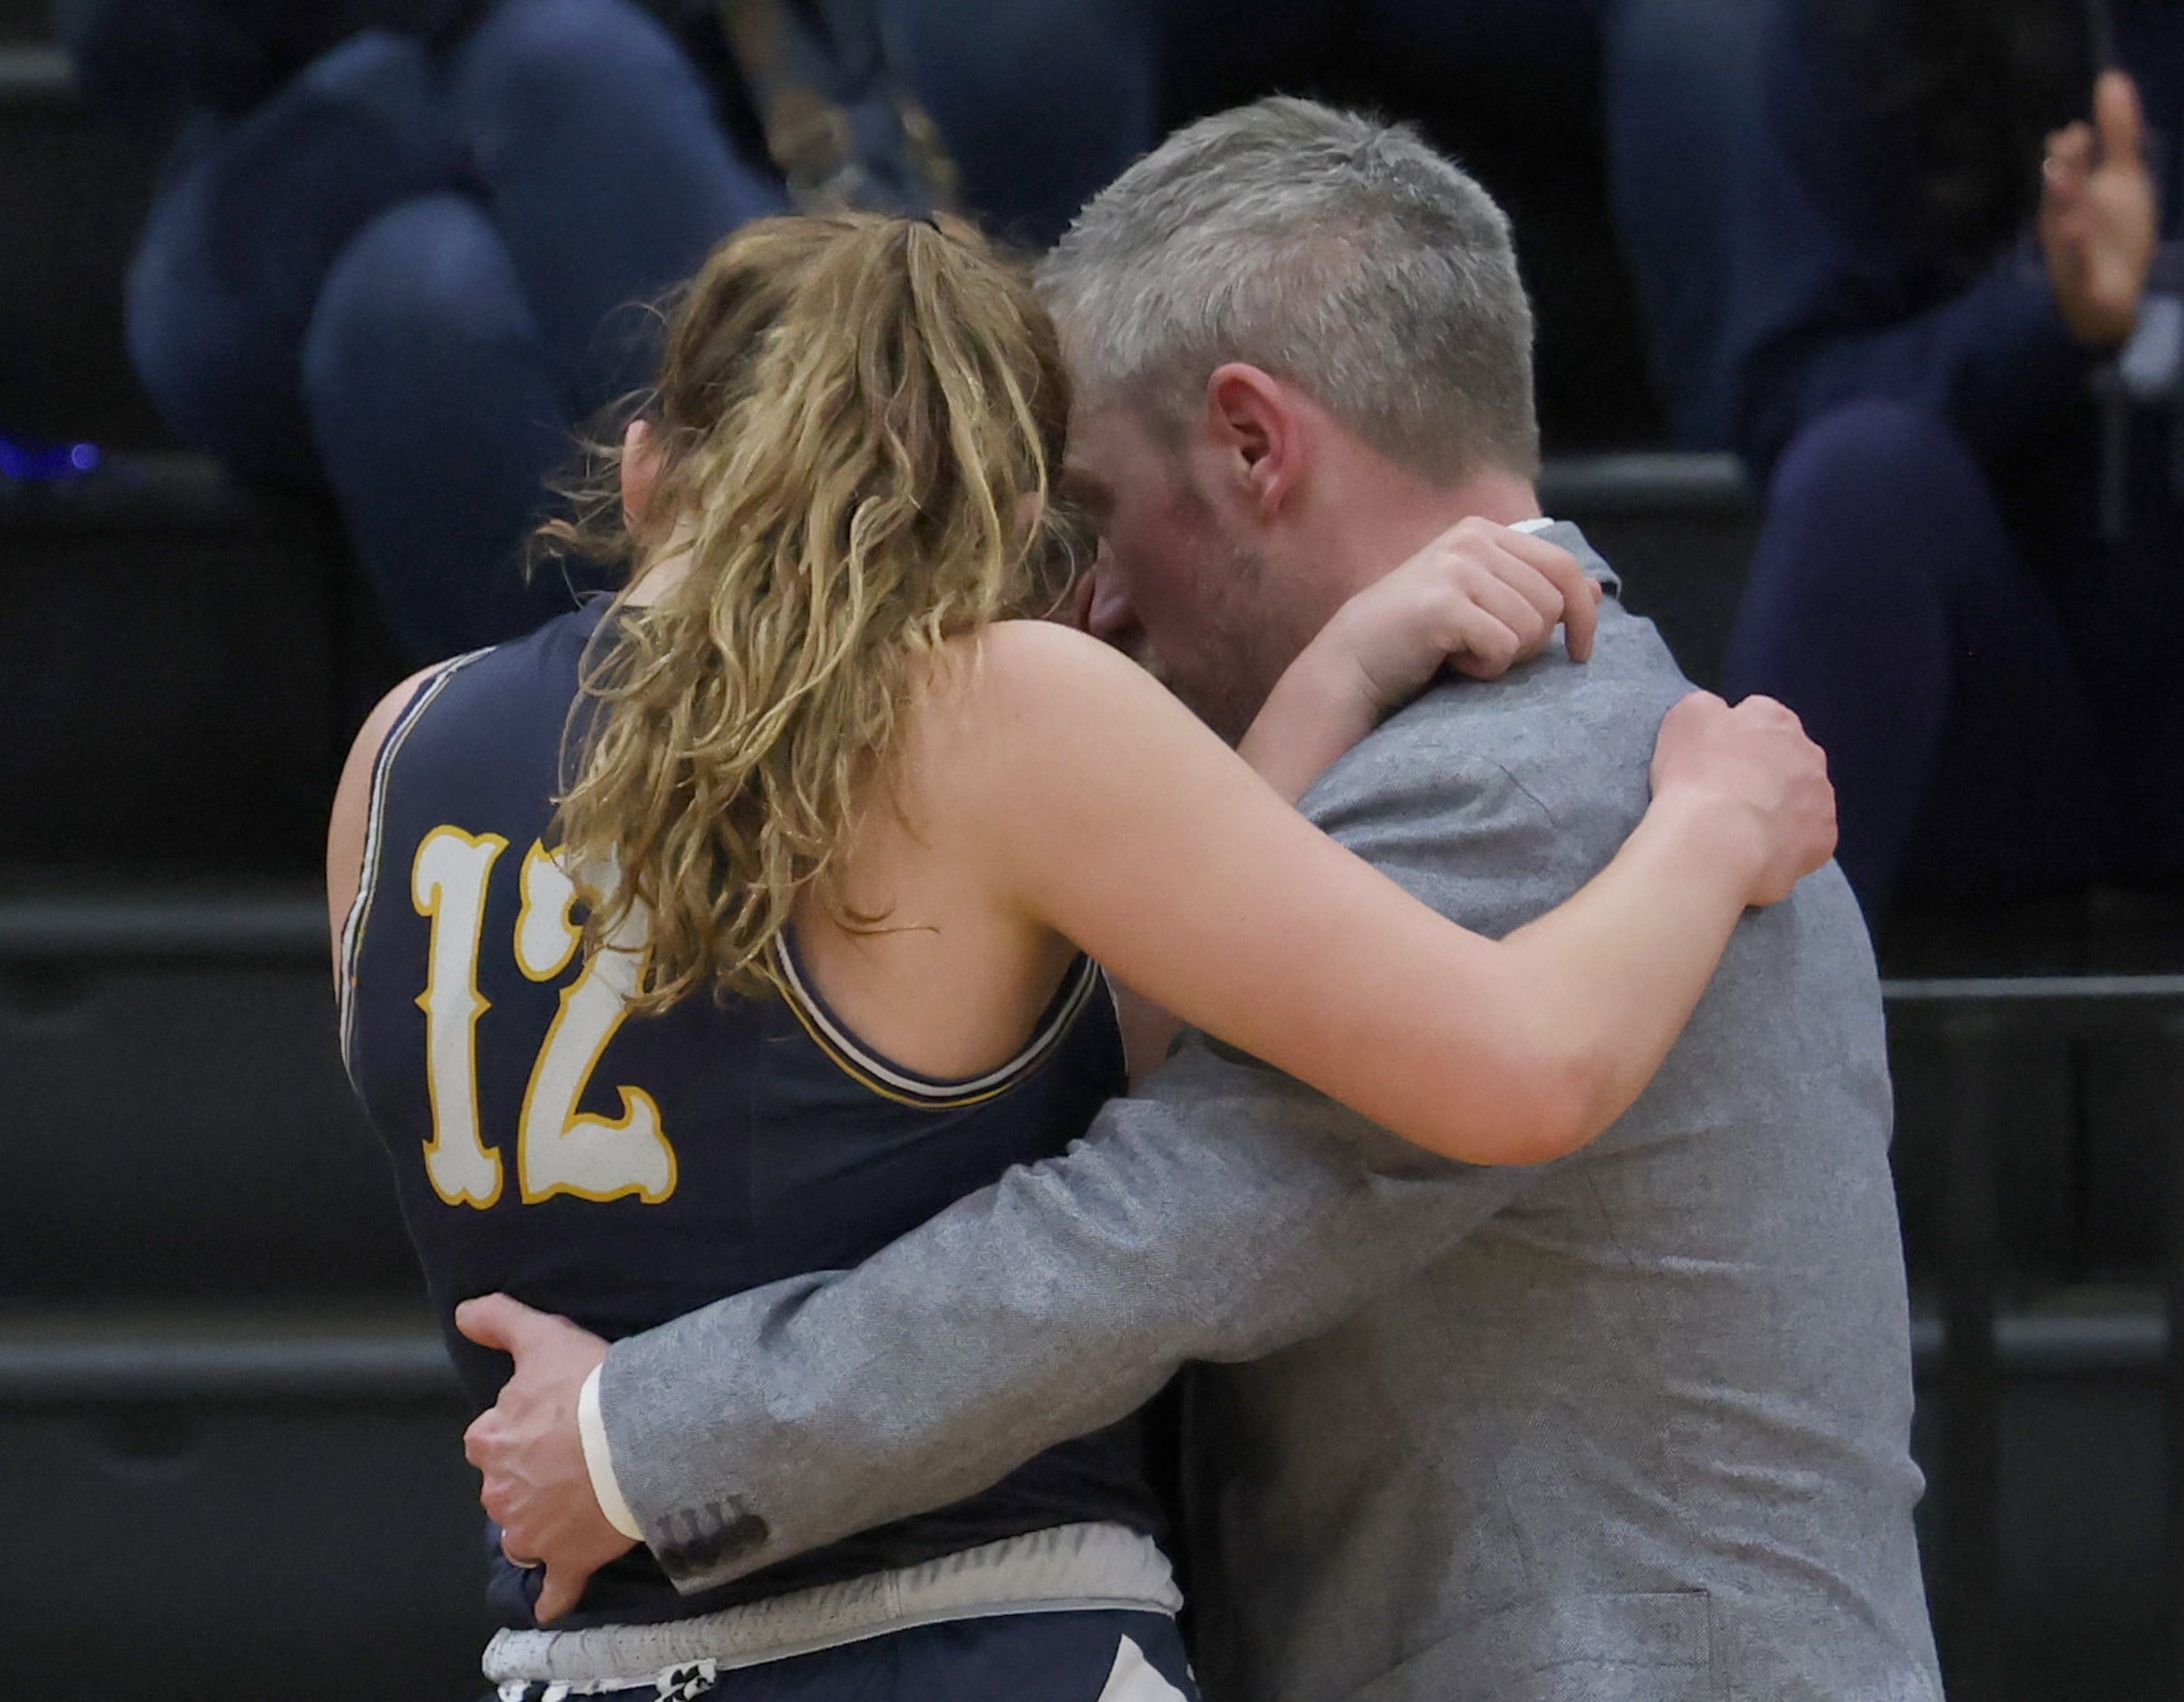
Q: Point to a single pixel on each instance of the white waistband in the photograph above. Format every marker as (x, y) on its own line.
(1071, 1568)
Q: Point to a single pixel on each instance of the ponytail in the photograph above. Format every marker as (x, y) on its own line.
(856, 418)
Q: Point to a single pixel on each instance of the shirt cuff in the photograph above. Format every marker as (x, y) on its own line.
(600, 1462)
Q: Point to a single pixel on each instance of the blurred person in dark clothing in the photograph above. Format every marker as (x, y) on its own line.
(397, 247)
(1044, 101)
(1953, 341)
(1681, 98)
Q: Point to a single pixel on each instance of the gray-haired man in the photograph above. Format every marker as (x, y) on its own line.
(1631, 1425)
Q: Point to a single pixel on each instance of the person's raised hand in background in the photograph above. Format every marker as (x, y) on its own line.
(2100, 219)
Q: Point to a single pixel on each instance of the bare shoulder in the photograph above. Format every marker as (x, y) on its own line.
(1034, 659)
(1028, 716)
(1018, 677)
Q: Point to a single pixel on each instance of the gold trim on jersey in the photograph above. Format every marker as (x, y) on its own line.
(890, 1081)
(367, 882)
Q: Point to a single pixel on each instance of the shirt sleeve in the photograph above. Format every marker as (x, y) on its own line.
(1226, 1213)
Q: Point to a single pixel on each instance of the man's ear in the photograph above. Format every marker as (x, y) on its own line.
(1258, 433)
(640, 472)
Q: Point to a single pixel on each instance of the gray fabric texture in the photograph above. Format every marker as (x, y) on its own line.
(1629, 1428)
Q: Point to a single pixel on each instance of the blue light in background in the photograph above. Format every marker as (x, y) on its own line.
(29, 461)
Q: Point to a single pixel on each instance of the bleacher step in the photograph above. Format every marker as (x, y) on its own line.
(177, 1052)
(74, 1356)
(278, 924)
(282, 1516)
(25, 21)
(190, 660)
(33, 72)
(74, 195)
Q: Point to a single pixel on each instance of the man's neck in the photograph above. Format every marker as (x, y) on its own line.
(1389, 516)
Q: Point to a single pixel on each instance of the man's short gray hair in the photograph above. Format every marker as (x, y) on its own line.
(1340, 254)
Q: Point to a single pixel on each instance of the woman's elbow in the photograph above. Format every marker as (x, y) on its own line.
(1541, 1108)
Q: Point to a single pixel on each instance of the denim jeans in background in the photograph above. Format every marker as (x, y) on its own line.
(1997, 720)
(410, 276)
(1042, 103)
(1682, 87)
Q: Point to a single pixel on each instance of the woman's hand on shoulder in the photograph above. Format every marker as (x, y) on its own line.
(1480, 598)
(1755, 775)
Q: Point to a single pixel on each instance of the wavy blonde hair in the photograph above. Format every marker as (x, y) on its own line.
(856, 418)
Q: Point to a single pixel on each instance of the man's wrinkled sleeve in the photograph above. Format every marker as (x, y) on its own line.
(1224, 1213)
(1219, 1217)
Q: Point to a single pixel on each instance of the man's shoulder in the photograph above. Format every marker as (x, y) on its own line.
(1574, 740)
(1494, 802)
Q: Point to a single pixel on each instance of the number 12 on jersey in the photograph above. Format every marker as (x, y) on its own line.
(558, 1149)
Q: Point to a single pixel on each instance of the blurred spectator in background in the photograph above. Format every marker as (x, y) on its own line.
(396, 248)
(398, 244)
(1952, 337)
(1044, 101)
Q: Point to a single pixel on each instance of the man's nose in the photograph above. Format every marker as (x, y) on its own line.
(1110, 618)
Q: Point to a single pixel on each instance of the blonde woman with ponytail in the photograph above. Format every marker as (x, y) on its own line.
(729, 928)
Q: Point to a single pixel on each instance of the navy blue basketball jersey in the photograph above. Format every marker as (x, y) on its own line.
(622, 1169)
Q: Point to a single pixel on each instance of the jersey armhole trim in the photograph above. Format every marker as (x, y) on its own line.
(367, 884)
(890, 1081)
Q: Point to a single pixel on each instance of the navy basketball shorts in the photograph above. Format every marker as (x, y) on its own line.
(1084, 1656)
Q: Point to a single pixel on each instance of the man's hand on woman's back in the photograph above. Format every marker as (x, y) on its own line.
(530, 1450)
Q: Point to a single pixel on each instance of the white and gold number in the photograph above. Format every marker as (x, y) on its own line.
(448, 884)
(558, 1149)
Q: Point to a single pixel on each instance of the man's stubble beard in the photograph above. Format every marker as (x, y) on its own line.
(1243, 647)
(1242, 653)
